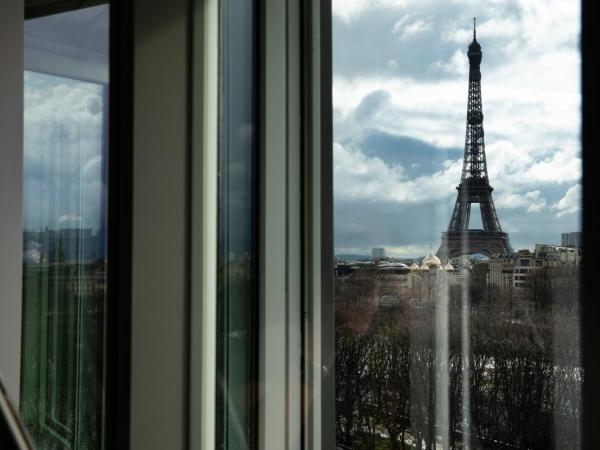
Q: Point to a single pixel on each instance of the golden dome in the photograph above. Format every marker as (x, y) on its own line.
(432, 261)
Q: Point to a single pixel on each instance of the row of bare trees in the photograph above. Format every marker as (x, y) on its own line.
(498, 382)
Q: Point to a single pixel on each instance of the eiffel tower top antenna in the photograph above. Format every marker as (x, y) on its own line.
(474, 29)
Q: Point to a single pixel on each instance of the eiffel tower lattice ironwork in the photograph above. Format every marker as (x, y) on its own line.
(474, 184)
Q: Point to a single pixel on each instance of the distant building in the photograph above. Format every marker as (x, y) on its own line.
(517, 269)
(525, 264)
(429, 282)
(573, 239)
(378, 253)
(393, 283)
(63, 245)
(501, 270)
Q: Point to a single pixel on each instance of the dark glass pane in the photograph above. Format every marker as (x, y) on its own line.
(237, 282)
(64, 265)
(457, 224)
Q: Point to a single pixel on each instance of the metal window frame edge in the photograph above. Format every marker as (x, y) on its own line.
(590, 332)
(319, 309)
(204, 217)
(11, 195)
(296, 343)
(173, 263)
(41, 8)
(173, 175)
(279, 368)
(117, 376)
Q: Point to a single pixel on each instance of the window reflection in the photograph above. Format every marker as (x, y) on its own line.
(64, 265)
(237, 231)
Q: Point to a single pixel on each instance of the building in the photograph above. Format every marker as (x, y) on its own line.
(64, 245)
(501, 270)
(474, 186)
(429, 282)
(525, 263)
(516, 269)
(572, 239)
(378, 253)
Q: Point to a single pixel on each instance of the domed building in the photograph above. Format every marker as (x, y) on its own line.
(431, 279)
(432, 262)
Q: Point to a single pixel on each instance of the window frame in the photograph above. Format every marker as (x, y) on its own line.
(590, 217)
(41, 8)
(116, 387)
(11, 191)
(305, 77)
(297, 359)
(590, 332)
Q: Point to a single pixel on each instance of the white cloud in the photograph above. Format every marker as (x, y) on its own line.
(407, 112)
(570, 203)
(360, 177)
(533, 104)
(488, 29)
(406, 28)
(511, 166)
(562, 166)
(32, 256)
(532, 201)
(458, 63)
(348, 10)
(69, 220)
(63, 136)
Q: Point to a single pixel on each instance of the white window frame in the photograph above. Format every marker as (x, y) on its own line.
(297, 354)
(173, 341)
(173, 329)
(11, 191)
(174, 223)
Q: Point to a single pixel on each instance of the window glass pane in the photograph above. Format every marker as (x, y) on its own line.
(237, 231)
(458, 253)
(64, 263)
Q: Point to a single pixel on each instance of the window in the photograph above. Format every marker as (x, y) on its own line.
(237, 313)
(438, 117)
(65, 222)
(448, 331)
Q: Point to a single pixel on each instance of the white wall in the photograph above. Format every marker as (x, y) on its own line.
(11, 171)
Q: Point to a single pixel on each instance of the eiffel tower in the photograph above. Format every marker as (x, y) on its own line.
(474, 184)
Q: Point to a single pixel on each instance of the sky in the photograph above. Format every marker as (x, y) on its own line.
(400, 81)
(64, 116)
(63, 126)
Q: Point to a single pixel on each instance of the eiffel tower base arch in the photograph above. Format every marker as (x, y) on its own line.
(473, 241)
